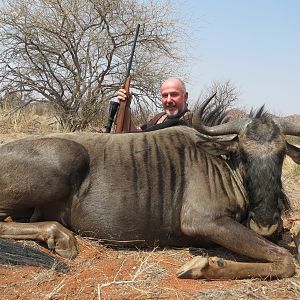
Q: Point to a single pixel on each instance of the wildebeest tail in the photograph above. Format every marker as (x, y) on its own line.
(14, 253)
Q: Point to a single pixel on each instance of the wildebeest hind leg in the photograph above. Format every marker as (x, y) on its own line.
(54, 234)
(277, 261)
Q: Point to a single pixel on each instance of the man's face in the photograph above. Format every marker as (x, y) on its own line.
(174, 98)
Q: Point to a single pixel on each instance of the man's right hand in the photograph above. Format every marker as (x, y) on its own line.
(122, 95)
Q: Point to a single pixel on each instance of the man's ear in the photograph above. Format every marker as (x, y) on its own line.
(186, 96)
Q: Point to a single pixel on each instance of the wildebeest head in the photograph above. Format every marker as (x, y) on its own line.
(259, 146)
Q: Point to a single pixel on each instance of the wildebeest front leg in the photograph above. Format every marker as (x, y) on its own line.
(276, 261)
(54, 234)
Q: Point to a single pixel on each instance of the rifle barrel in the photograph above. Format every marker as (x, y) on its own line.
(132, 51)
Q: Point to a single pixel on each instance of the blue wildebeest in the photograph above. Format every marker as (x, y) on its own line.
(176, 186)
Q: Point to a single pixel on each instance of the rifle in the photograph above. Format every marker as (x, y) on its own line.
(123, 120)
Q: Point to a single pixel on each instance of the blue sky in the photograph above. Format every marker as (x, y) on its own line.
(253, 43)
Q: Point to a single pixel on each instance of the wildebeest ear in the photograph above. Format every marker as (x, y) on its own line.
(218, 145)
(293, 152)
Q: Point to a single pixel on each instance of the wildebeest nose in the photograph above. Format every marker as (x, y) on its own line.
(263, 228)
(264, 219)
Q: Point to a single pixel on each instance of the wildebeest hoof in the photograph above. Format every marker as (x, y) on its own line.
(69, 252)
(193, 269)
(60, 239)
(295, 232)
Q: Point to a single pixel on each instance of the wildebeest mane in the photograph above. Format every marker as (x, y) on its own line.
(214, 114)
(166, 124)
(256, 114)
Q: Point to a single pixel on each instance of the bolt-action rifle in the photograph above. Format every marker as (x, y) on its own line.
(123, 119)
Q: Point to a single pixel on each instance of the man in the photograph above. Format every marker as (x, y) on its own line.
(174, 100)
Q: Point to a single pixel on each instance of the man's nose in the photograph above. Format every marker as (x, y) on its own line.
(169, 98)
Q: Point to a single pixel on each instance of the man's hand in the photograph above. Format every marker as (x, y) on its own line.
(122, 95)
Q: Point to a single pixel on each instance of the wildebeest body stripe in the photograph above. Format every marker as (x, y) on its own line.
(148, 183)
(182, 183)
(219, 178)
(160, 182)
(176, 176)
(135, 177)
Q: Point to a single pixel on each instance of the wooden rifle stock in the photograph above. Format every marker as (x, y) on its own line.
(124, 115)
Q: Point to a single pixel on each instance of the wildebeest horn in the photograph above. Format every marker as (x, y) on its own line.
(233, 127)
(288, 127)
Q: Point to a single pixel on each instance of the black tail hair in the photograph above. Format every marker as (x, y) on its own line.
(15, 253)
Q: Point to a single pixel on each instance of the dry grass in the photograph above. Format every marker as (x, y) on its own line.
(256, 289)
(290, 168)
(30, 119)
